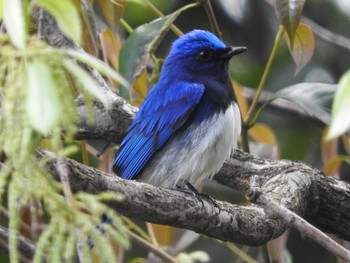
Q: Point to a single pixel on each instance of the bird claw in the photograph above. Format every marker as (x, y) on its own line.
(200, 196)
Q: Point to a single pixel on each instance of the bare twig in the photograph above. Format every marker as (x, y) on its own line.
(155, 10)
(239, 252)
(211, 17)
(40, 24)
(152, 248)
(62, 170)
(26, 248)
(63, 173)
(257, 197)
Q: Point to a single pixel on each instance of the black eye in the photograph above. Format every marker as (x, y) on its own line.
(205, 55)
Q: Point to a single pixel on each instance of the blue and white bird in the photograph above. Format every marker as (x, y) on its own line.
(189, 122)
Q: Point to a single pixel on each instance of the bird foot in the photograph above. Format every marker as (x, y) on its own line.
(200, 196)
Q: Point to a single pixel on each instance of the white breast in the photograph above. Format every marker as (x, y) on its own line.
(198, 153)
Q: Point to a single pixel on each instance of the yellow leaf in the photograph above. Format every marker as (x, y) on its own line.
(346, 143)
(262, 133)
(329, 149)
(303, 46)
(89, 37)
(164, 234)
(140, 89)
(331, 167)
(110, 47)
(241, 100)
(45, 144)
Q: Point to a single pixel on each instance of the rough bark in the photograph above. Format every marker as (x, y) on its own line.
(295, 185)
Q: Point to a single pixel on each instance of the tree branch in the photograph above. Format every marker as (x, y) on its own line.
(300, 224)
(298, 187)
(322, 200)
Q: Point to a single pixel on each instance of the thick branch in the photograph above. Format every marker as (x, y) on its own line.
(241, 224)
(295, 185)
(322, 200)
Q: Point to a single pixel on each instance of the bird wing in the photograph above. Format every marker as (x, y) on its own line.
(163, 112)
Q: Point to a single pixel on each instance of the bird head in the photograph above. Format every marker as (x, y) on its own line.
(200, 52)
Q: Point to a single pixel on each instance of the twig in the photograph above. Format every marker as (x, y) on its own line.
(156, 250)
(62, 170)
(151, 234)
(289, 217)
(40, 24)
(265, 253)
(211, 17)
(26, 248)
(155, 10)
(251, 110)
(248, 122)
(63, 173)
(126, 26)
(25, 226)
(239, 252)
(4, 245)
(34, 219)
(131, 225)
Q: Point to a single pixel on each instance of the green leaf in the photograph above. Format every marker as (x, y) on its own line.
(313, 98)
(289, 13)
(43, 105)
(340, 110)
(86, 81)
(99, 65)
(14, 20)
(303, 48)
(66, 16)
(141, 43)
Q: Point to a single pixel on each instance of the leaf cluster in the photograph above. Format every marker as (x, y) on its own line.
(39, 86)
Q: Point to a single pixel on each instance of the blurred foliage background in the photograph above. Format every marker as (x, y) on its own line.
(281, 131)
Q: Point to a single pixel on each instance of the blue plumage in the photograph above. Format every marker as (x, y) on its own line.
(154, 124)
(173, 137)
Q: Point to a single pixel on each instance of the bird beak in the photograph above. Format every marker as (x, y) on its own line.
(229, 52)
